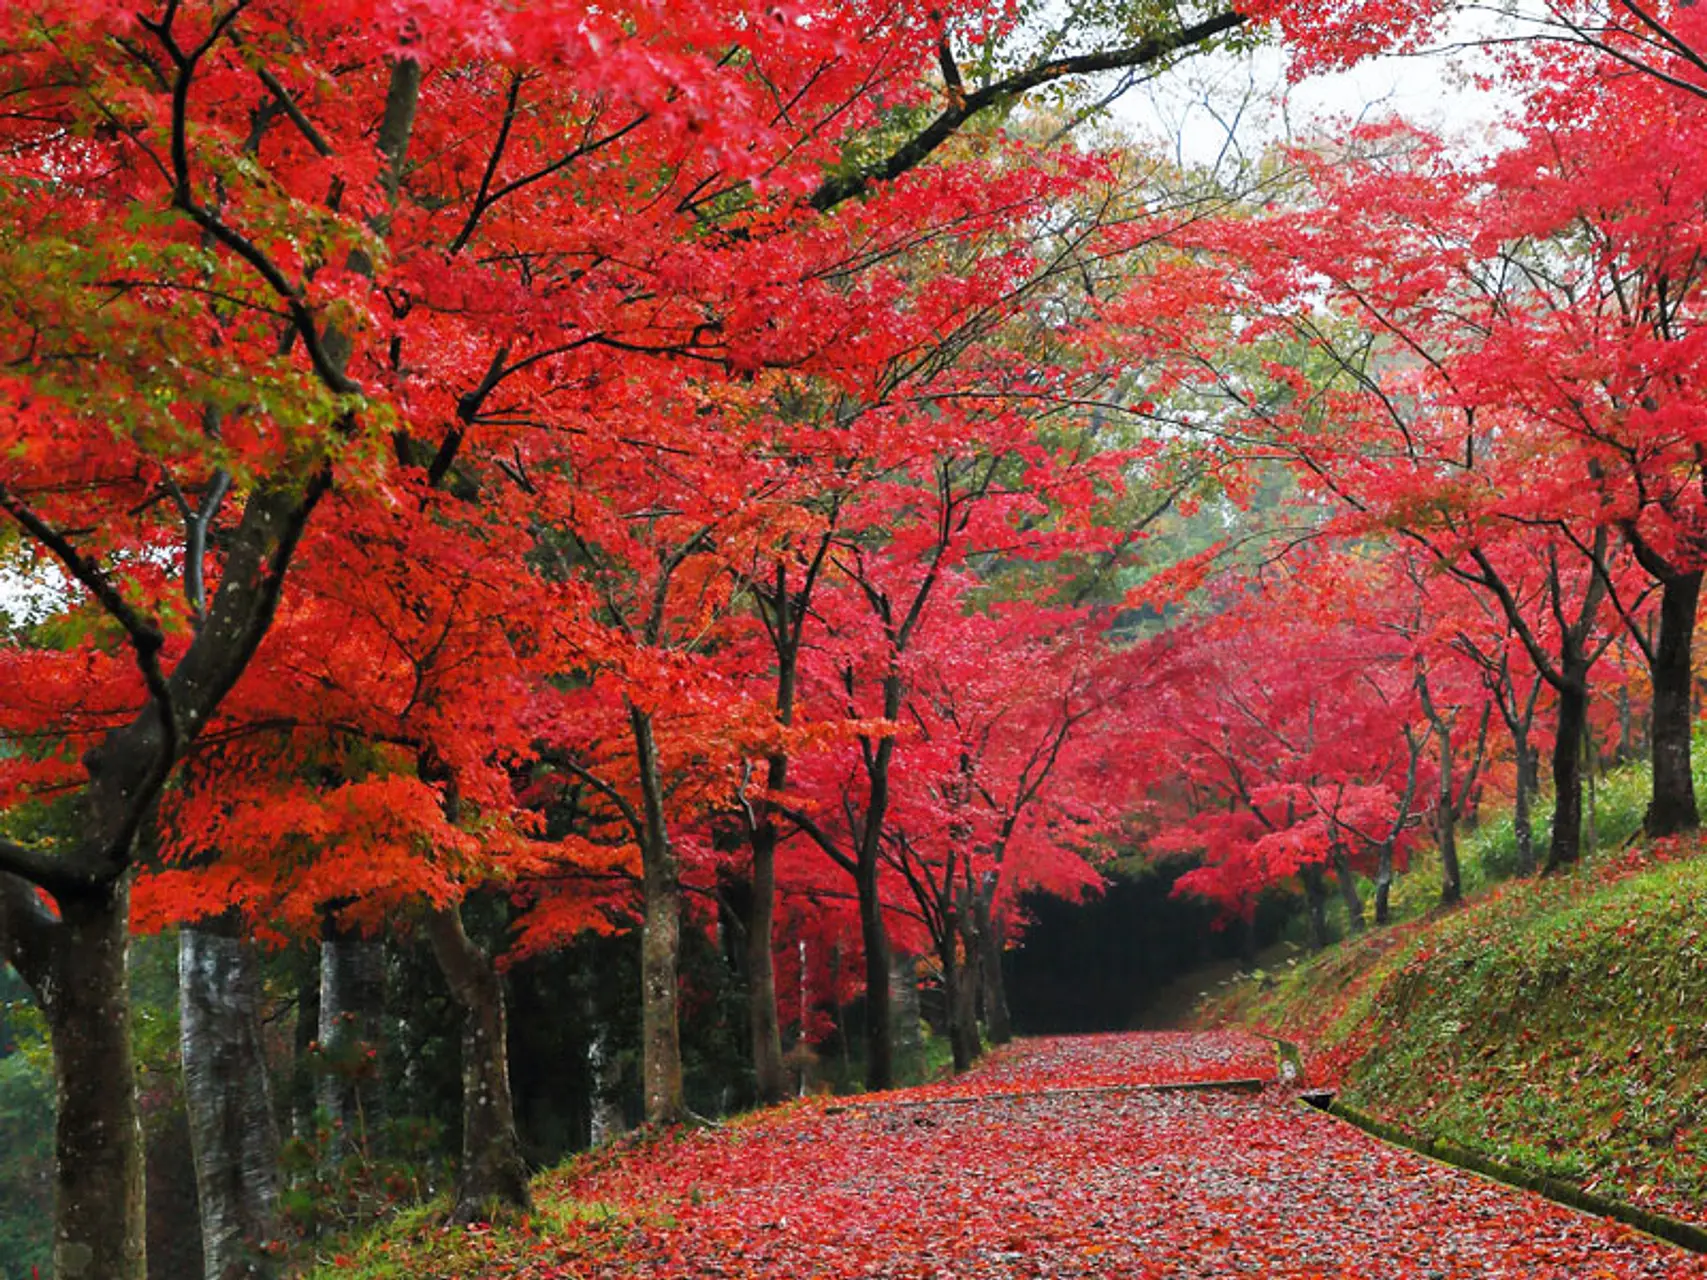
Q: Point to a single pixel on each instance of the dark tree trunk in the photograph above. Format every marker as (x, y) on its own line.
(1383, 883)
(1316, 905)
(764, 1026)
(998, 1021)
(1566, 843)
(660, 940)
(493, 1172)
(963, 1014)
(788, 609)
(1347, 881)
(879, 1040)
(1446, 832)
(1673, 806)
(963, 1023)
(1522, 824)
(1591, 773)
(98, 1166)
(1445, 809)
(228, 1097)
(352, 1003)
(874, 937)
(1626, 727)
(954, 995)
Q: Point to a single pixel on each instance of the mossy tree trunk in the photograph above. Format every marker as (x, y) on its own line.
(228, 1097)
(492, 1171)
(660, 938)
(98, 1161)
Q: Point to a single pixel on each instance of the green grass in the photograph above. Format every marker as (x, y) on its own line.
(418, 1245)
(1559, 1024)
(1566, 1032)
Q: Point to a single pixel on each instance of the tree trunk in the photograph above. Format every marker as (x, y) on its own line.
(660, 941)
(879, 1041)
(1591, 772)
(1446, 832)
(1383, 882)
(953, 980)
(1348, 889)
(1446, 820)
(1316, 905)
(1626, 726)
(300, 1087)
(763, 1024)
(1521, 822)
(1673, 808)
(963, 1014)
(98, 1156)
(352, 1002)
(789, 614)
(228, 1097)
(963, 1023)
(1566, 843)
(492, 1171)
(909, 1043)
(998, 1020)
(874, 937)
(660, 951)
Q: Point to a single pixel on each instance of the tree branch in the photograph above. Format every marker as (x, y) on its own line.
(818, 836)
(26, 933)
(629, 814)
(144, 634)
(833, 191)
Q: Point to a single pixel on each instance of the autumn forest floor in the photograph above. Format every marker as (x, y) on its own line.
(1555, 1025)
(1059, 1158)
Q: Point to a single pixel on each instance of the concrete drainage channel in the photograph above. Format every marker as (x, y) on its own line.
(1685, 1235)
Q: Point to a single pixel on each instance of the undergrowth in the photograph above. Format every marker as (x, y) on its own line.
(1557, 1023)
(418, 1244)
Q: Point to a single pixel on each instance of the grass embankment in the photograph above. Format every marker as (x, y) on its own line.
(560, 1238)
(1559, 1025)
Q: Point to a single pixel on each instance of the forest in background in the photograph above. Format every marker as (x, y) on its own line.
(564, 563)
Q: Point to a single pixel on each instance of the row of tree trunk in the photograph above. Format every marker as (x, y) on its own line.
(233, 1120)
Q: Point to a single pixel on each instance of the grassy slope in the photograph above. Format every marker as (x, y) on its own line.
(560, 1239)
(1560, 1025)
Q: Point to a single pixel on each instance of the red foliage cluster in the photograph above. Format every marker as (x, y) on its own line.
(587, 451)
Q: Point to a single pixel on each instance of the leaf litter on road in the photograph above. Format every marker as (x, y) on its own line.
(1077, 1178)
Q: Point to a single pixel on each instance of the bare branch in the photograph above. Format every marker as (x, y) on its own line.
(913, 152)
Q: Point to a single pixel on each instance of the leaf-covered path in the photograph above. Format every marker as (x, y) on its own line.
(1061, 1171)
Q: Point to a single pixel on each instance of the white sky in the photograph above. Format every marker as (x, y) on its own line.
(1192, 109)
